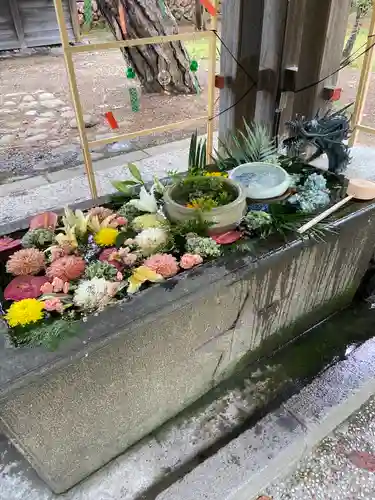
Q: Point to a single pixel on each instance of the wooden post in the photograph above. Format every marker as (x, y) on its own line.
(241, 30)
(291, 54)
(211, 85)
(75, 97)
(364, 81)
(274, 27)
(324, 29)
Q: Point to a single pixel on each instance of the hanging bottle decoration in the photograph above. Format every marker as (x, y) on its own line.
(164, 77)
(194, 68)
(87, 13)
(133, 91)
(162, 7)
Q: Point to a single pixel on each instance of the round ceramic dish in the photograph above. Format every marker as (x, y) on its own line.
(261, 181)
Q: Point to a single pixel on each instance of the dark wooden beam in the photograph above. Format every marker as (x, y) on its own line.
(17, 21)
(274, 28)
(241, 30)
(291, 54)
(324, 28)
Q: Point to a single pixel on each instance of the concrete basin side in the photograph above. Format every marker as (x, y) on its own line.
(141, 362)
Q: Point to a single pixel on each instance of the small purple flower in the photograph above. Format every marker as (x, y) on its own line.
(92, 249)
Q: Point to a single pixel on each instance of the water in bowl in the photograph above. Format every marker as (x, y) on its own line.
(259, 179)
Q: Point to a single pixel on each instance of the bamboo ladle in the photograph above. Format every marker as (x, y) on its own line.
(359, 189)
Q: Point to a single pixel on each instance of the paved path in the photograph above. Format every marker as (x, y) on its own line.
(55, 189)
(51, 190)
(336, 470)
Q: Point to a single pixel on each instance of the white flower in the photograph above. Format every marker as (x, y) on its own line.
(92, 294)
(150, 240)
(146, 203)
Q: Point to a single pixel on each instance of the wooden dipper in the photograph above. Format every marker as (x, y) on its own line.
(360, 189)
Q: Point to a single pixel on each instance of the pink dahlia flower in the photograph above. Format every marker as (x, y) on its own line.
(25, 262)
(46, 288)
(67, 268)
(190, 260)
(122, 221)
(57, 286)
(163, 264)
(58, 252)
(54, 304)
(101, 213)
(108, 254)
(25, 287)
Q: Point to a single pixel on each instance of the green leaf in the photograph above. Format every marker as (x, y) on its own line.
(159, 188)
(120, 240)
(135, 172)
(197, 155)
(124, 186)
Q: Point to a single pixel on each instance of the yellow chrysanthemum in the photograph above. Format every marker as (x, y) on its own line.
(106, 237)
(194, 204)
(24, 312)
(216, 174)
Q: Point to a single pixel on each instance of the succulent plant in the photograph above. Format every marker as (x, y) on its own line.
(255, 220)
(100, 269)
(205, 247)
(312, 195)
(38, 238)
(129, 211)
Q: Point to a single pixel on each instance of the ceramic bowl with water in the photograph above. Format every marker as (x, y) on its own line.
(261, 181)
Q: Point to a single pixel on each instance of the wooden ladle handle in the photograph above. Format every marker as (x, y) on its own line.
(324, 215)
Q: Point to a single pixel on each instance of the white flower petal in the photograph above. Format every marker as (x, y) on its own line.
(146, 202)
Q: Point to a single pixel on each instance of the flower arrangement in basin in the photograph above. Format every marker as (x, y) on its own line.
(220, 201)
(68, 266)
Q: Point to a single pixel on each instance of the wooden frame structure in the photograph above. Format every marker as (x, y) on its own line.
(364, 84)
(68, 56)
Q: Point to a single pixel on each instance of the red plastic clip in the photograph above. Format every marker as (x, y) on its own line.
(209, 7)
(332, 93)
(111, 120)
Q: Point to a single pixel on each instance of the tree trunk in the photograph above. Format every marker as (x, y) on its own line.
(146, 18)
(349, 46)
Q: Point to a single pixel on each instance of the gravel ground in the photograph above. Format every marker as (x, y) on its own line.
(103, 87)
(341, 468)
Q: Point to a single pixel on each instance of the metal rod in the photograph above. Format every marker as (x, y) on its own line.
(75, 97)
(140, 133)
(211, 85)
(183, 37)
(364, 81)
